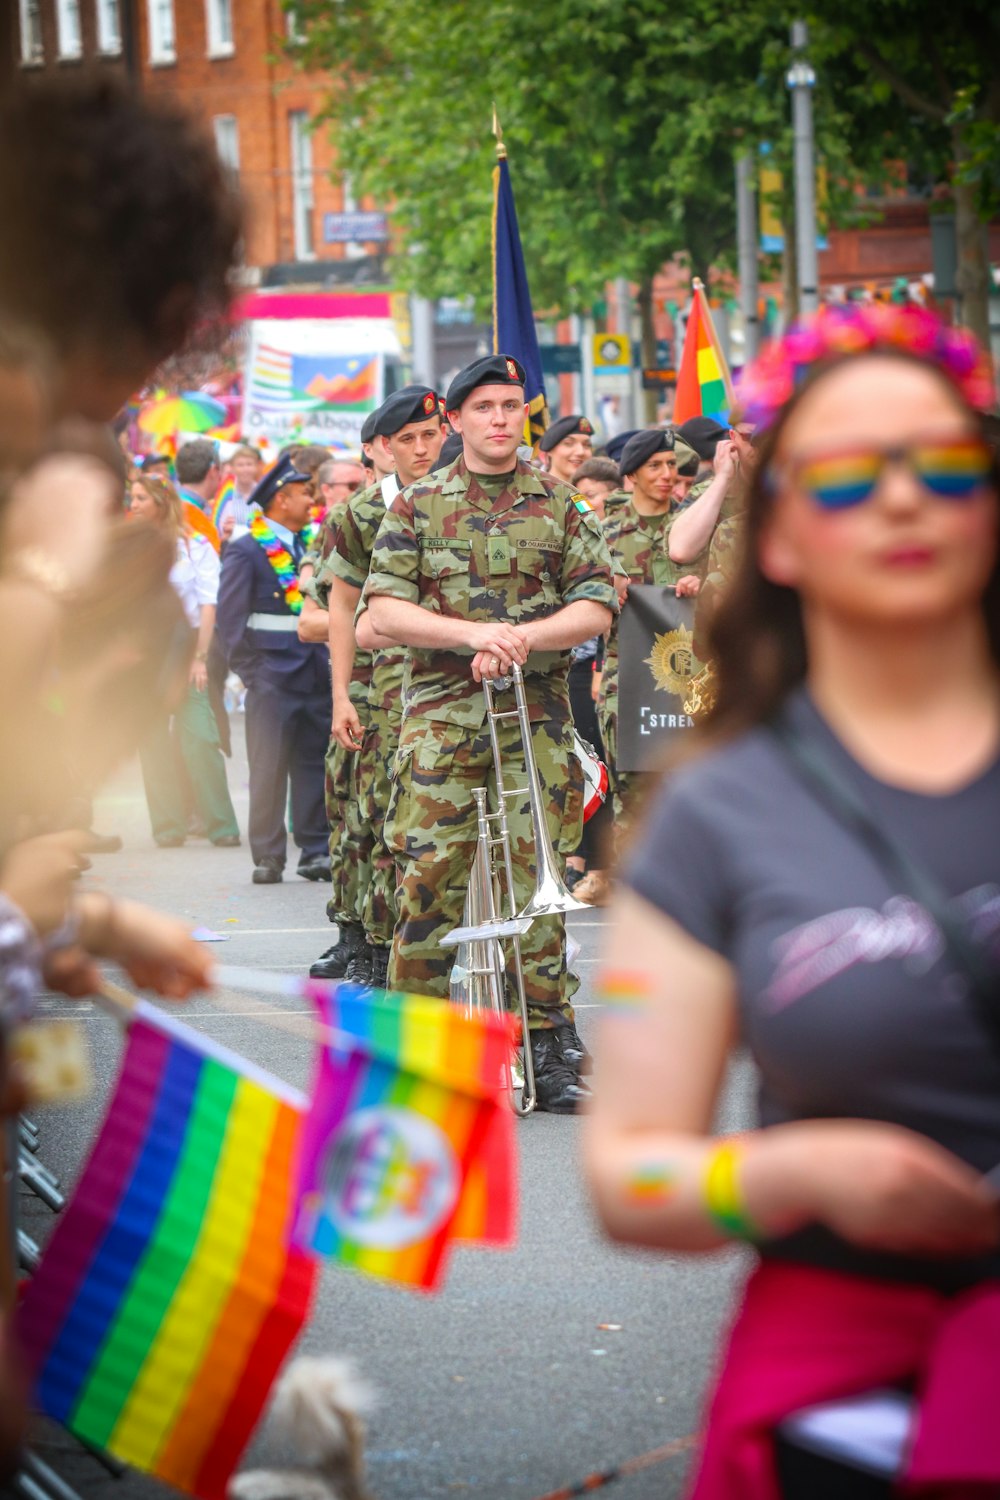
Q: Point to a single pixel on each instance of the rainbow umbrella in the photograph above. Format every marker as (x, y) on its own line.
(192, 411)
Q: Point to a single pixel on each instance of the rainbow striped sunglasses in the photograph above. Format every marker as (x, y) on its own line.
(950, 470)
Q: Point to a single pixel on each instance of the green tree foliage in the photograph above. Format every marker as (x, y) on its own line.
(620, 118)
(923, 80)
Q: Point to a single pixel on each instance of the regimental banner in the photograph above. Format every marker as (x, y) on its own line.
(656, 662)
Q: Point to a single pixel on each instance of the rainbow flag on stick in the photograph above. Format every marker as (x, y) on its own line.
(407, 1147)
(704, 384)
(169, 1294)
(222, 499)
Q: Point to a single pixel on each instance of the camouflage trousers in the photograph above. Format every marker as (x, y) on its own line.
(431, 829)
(350, 834)
(627, 787)
(378, 904)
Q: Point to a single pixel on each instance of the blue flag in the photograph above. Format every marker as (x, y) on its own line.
(513, 321)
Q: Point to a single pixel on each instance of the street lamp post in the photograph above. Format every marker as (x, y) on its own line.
(746, 238)
(801, 80)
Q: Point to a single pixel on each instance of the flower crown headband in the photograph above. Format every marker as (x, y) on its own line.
(837, 331)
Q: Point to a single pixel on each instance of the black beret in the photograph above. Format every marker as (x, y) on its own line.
(615, 446)
(564, 428)
(414, 403)
(284, 472)
(495, 369)
(642, 445)
(368, 425)
(450, 450)
(702, 434)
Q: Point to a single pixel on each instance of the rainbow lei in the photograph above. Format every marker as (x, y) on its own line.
(280, 559)
(835, 331)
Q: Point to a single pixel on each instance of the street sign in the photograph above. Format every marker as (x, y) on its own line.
(561, 359)
(340, 229)
(612, 353)
(658, 380)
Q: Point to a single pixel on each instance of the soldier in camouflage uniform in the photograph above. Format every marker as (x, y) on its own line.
(408, 430)
(350, 830)
(636, 531)
(483, 564)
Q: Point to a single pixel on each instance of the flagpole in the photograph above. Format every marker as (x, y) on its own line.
(501, 151)
(706, 313)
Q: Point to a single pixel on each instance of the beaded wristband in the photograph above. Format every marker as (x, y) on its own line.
(723, 1198)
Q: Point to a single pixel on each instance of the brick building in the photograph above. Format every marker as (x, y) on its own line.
(231, 62)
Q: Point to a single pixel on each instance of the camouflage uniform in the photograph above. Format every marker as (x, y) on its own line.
(638, 544)
(350, 561)
(350, 832)
(724, 553)
(516, 548)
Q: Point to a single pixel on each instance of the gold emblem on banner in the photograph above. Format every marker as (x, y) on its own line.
(672, 661)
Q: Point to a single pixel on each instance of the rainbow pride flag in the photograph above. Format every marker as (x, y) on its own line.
(407, 1147)
(704, 385)
(169, 1294)
(221, 500)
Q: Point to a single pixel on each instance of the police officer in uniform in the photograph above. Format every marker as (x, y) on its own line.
(480, 565)
(288, 681)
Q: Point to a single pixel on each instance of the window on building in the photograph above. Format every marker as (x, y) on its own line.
(109, 27)
(68, 34)
(227, 141)
(162, 36)
(302, 184)
(32, 42)
(293, 26)
(219, 24)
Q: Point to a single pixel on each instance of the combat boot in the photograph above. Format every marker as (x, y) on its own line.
(573, 1049)
(333, 963)
(369, 967)
(558, 1087)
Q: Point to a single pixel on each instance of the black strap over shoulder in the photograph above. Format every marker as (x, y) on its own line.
(843, 800)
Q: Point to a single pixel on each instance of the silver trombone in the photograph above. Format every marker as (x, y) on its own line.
(478, 973)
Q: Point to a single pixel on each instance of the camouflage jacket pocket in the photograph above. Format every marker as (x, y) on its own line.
(538, 574)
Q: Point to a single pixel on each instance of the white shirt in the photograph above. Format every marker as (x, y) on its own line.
(195, 575)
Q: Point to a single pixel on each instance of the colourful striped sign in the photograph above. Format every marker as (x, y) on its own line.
(704, 387)
(169, 1296)
(406, 1148)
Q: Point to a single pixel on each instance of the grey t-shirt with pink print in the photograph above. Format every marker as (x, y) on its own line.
(848, 1001)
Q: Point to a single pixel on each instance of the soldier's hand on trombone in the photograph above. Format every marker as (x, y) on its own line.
(495, 647)
(346, 727)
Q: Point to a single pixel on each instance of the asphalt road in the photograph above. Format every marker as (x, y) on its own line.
(503, 1384)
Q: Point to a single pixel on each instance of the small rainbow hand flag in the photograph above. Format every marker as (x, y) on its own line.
(221, 500)
(169, 1294)
(407, 1147)
(704, 385)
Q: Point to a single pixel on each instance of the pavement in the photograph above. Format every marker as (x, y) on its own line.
(532, 1367)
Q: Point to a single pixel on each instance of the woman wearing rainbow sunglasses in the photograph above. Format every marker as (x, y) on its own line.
(837, 911)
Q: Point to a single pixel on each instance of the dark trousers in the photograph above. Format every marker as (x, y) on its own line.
(597, 831)
(287, 736)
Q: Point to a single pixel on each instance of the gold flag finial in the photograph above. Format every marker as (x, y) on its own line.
(498, 133)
